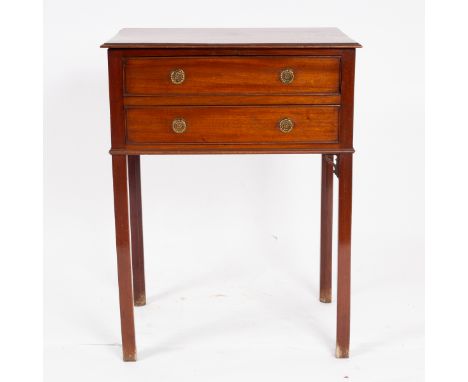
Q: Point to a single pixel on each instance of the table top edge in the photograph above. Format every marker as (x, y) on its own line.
(320, 37)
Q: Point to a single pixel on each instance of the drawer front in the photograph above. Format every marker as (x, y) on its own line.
(232, 124)
(232, 75)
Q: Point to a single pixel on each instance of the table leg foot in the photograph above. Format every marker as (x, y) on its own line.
(140, 300)
(326, 296)
(341, 352)
(129, 357)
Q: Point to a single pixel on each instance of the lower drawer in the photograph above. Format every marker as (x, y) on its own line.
(232, 124)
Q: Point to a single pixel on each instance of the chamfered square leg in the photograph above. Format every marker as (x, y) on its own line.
(124, 264)
(326, 229)
(136, 229)
(345, 169)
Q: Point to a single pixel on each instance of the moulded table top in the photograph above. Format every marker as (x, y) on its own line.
(228, 37)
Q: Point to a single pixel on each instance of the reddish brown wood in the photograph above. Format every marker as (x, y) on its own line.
(120, 145)
(232, 101)
(326, 229)
(229, 99)
(216, 149)
(232, 75)
(345, 165)
(117, 114)
(231, 124)
(136, 228)
(200, 51)
(347, 97)
(124, 266)
(345, 172)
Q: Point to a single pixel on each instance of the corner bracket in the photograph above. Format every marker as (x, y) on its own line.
(334, 160)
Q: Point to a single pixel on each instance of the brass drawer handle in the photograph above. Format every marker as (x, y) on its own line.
(177, 76)
(179, 125)
(287, 76)
(286, 125)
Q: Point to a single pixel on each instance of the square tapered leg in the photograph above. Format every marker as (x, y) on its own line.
(136, 230)
(345, 170)
(326, 229)
(124, 264)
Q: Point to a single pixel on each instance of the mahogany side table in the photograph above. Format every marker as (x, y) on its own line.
(231, 91)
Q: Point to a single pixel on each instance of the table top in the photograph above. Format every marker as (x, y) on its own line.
(229, 37)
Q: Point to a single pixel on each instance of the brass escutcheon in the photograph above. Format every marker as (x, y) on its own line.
(177, 76)
(179, 125)
(286, 125)
(287, 76)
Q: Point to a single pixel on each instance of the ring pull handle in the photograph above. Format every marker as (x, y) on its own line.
(179, 125)
(177, 76)
(286, 125)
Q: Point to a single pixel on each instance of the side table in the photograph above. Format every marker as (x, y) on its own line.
(231, 91)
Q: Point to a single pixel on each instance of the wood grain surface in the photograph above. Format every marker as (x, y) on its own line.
(232, 75)
(232, 101)
(231, 124)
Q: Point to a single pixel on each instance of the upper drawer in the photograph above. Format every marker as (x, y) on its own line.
(231, 75)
